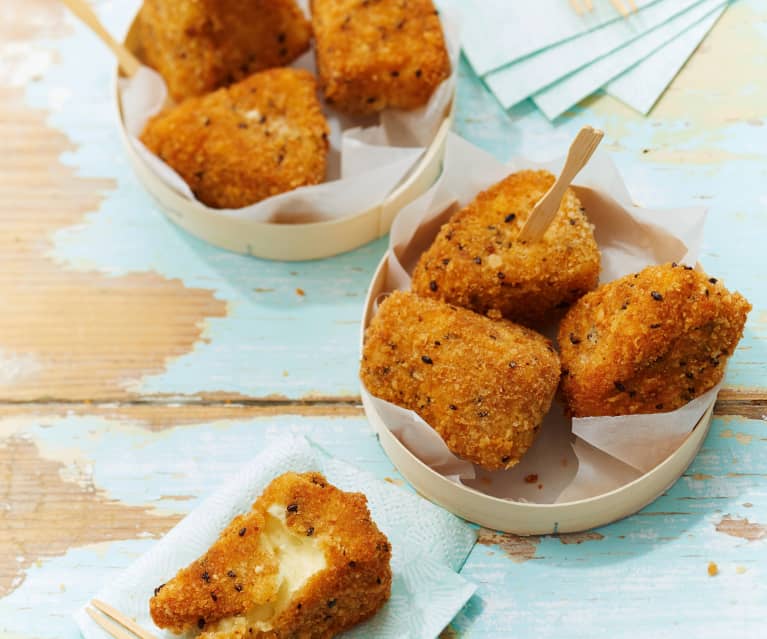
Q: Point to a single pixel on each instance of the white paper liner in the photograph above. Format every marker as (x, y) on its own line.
(570, 459)
(369, 156)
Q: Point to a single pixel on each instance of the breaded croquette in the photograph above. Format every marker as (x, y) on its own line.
(241, 144)
(483, 385)
(648, 342)
(306, 561)
(201, 45)
(378, 54)
(477, 262)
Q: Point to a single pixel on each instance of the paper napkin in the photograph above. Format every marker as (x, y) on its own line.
(497, 32)
(559, 97)
(641, 86)
(429, 545)
(520, 79)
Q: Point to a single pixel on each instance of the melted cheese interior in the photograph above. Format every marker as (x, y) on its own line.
(299, 558)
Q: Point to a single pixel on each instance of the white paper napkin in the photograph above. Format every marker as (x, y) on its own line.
(608, 452)
(429, 545)
(642, 85)
(369, 155)
(557, 98)
(520, 79)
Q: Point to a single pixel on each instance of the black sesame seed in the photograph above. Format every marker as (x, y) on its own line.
(574, 339)
(674, 264)
(619, 386)
(231, 574)
(453, 407)
(310, 531)
(242, 532)
(659, 406)
(331, 603)
(683, 362)
(689, 375)
(478, 260)
(505, 459)
(688, 268)
(501, 276)
(378, 580)
(394, 74)
(433, 285)
(201, 623)
(654, 325)
(632, 393)
(298, 606)
(158, 589)
(510, 217)
(713, 280)
(352, 564)
(281, 38)
(418, 73)
(572, 222)
(446, 261)
(437, 342)
(293, 508)
(213, 596)
(426, 359)
(238, 587)
(262, 119)
(205, 577)
(706, 291)
(691, 390)
(657, 296)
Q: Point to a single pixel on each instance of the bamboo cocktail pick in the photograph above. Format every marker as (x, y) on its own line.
(129, 64)
(545, 210)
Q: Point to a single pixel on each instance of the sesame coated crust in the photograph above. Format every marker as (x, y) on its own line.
(649, 342)
(260, 137)
(378, 54)
(201, 45)
(355, 583)
(483, 385)
(477, 262)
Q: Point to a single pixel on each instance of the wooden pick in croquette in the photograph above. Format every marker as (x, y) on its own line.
(648, 342)
(483, 385)
(247, 142)
(306, 561)
(477, 261)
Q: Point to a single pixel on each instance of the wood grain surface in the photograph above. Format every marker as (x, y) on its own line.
(139, 367)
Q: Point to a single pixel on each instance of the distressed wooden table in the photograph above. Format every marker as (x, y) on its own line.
(139, 367)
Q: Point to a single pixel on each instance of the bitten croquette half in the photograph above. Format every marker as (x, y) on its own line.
(307, 561)
(241, 144)
(483, 385)
(201, 45)
(477, 262)
(648, 342)
(378, 54)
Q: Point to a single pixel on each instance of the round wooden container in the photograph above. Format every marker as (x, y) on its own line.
(290, 242)
(528, 518)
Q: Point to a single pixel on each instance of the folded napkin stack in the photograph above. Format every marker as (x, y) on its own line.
(550, 53)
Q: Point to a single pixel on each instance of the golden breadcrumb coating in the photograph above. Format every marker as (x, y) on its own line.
(483, 385)
(241, 144)
(246, 584)
(378, 54)
(648, 342)
(476, 261)
(201, 45)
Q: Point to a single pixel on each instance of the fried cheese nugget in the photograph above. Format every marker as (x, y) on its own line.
(648, 342)
(483, 385)
(201, 45)
(477, 262)
(243, 143)
(307, 561)
(378, 54)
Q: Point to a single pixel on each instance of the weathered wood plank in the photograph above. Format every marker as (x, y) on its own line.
(112, 302)
(91, 490)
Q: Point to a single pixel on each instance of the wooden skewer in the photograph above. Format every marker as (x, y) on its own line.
(127, 61)
(546, 208)
(620, 7)
(117, 631)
